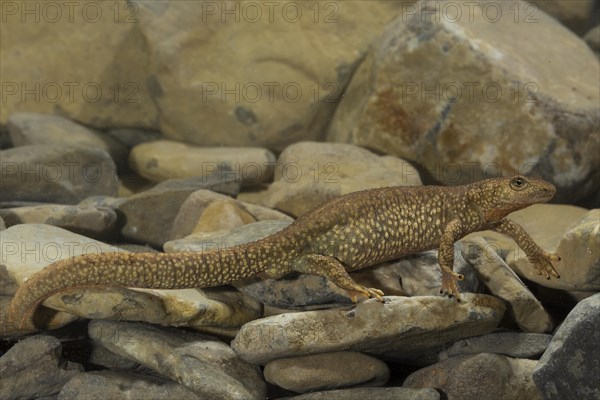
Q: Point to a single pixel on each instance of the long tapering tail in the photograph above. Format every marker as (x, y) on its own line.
(139, 270)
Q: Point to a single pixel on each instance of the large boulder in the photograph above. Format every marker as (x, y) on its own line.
(450, 87)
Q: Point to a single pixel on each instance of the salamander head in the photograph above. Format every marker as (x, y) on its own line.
(498, 197)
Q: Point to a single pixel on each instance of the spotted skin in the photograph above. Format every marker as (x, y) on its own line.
(346, 234)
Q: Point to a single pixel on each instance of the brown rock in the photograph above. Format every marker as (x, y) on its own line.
(465, 91)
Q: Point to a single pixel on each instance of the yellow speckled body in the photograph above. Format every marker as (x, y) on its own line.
(348, 233)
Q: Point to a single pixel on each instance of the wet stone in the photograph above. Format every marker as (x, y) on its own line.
(203, 364)
(165, 200)
(34, 368)
(90, 221)
(56, 174)
(570, 367)
(360, 328)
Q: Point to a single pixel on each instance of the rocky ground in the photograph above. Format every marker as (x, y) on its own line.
(74, 181)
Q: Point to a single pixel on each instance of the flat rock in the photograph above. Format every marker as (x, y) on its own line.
(480, 376)
(131, 137)
(512, 344)
(200, 309)
(196, 204)
(458, 77)
(527, 311)
(307, 174)
(223, 215)
(570, 367)
(416, 327)
(161, 160)
(90, 221)
(326, 371)
(39, 129)
(266, 92)
(124, 385)
(388, 393)
(204, 365)
(165, 200)
(34, 368)
(56, 174)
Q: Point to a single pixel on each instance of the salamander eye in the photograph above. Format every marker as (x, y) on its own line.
(518, 183)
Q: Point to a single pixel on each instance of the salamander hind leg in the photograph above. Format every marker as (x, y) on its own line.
(333, 270)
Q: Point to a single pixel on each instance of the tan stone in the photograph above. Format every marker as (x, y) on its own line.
(85, 60)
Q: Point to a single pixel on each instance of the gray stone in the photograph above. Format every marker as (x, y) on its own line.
(207, 309)
(162, 160)
(512, 344)
(570, 367)
(204, 365)
(480, 376)
(196, 203)
(326, 371)
(101, 356)
(308, 174)
(123, 385)
(2, 224)
(267, 92)
(527, 311)
(416, 329)
(34, 368)
(462, 73)
(165, 200)
(56, 173)
(388, 393)
(45, 129)
(98, 222)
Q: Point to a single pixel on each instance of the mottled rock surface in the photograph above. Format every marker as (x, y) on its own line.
(480, 376)
(570, 367)
(307, 174)
(56, 174)
(34, 368)
(204, 365)
(414, 332)
(465, 91)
